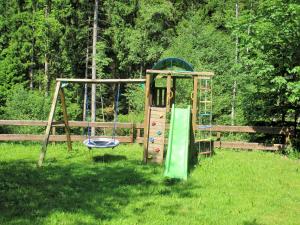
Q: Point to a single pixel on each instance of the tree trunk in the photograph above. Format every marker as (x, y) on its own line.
(86, 76)
(236, 61)
(93, 103)
(46, 65)
(31, 70)
(249, 29)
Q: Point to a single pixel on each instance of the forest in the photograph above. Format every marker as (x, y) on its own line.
(252, 46)
(146, 160)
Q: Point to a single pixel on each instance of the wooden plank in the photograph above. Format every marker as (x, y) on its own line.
(158, 139)
(61, 123)
(66, 119)
(195, 97)
(49, 124)
(22, 123)
(139, 125)
(60, 138)
(214, 128)
(146, 116)
(180, 72)
(139, 140)
(98, 81)
(132, 133)
(204, 78)
(53, 131)
(248, 129)
(158, 109)
(169, 97)
(248, 146)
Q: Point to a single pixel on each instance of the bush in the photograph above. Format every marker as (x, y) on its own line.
(22, 104)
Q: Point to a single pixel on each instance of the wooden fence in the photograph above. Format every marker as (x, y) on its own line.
(136, 133)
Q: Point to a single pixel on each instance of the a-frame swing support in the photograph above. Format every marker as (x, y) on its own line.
(60, 92)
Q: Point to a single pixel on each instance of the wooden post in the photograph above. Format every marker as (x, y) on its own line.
(174, 89)
(49, 124)
(195, 97)
(138, 133)
(66, 119)
(219, 138)
(53, 133)
(168, 105)
(146, 116)
(132, 132)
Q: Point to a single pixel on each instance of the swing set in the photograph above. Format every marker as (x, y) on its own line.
(90, 142)
(160, 98)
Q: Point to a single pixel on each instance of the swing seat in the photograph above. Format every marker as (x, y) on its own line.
(101, 143)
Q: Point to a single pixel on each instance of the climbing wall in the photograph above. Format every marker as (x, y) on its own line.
(156, 135)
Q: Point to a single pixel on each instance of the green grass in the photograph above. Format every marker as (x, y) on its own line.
(114, 187)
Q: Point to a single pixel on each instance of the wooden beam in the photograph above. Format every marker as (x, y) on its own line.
(61, 123)
(174, 90)
(169, 94)
(195, 97)
(180, 72)
(214, 128)
(59, 138)
(66, 119)
(49, 124)
(248, 146)
(248, 129)
(98, 81)
(146, 116)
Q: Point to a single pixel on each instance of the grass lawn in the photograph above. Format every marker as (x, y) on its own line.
(249, 188)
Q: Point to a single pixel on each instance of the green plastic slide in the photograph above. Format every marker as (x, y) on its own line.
(176, 165)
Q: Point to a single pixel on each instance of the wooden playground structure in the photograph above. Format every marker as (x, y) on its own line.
(152, 133)
(158, 102)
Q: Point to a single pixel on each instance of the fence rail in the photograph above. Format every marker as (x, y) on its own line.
(136, 133)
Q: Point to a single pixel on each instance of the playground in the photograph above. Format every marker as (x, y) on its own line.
(232, 187)
(170, 169)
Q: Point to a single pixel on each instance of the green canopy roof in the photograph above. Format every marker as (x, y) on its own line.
(170, 63)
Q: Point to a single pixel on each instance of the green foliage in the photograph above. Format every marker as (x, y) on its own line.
(133, 35)
(269, 60)
(208, 50)
(22, 104)
(135, 97)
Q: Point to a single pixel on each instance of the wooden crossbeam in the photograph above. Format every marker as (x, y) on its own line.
(98, 81)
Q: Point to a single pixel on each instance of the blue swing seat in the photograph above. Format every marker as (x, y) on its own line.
(101, 143)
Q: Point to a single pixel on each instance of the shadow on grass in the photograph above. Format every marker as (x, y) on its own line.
(108, 158)
(29, 195)
(253, 222)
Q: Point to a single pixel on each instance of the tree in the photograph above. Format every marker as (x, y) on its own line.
(270, 61)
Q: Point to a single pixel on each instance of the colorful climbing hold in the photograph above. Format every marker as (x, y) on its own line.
(161, 116)
(153, 123)
(157, 150)
(151, 139)
(158, 132)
